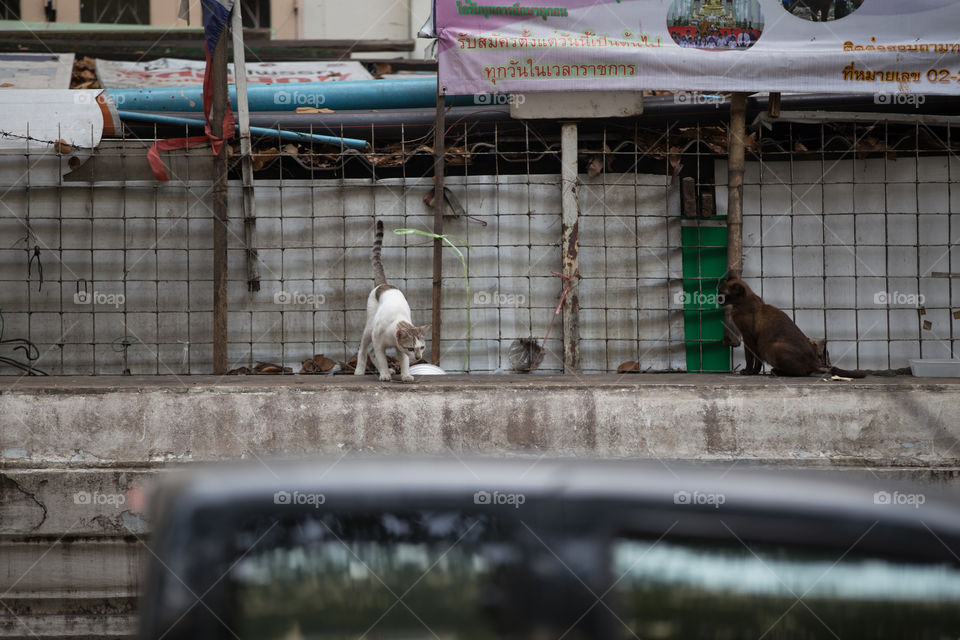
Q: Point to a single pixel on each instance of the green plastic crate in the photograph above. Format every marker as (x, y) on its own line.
(704, 264)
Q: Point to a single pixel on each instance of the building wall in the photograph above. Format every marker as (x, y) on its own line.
(294, 19)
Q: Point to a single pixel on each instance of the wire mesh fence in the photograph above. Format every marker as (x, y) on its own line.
(851, 228)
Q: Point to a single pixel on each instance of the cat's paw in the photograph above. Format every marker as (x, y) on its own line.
(384, 377)
(407, 378)
(359, 372)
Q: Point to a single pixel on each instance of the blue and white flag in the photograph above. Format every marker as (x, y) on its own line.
(216, 14)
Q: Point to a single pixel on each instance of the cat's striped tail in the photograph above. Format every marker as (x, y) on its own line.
(378, 276)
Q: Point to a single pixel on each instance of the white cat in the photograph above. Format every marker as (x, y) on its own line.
(388, 324)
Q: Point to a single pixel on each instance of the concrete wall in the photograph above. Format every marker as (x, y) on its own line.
(75, 452)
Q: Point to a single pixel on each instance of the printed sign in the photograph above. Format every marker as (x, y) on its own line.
(174, 72)
(36, 70)
(838, 46)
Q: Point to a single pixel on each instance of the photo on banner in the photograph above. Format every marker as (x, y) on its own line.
(717, 25)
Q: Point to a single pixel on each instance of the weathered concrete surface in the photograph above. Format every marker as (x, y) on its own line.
(74, 451)
(80, 502)
(143, 422)
(69, 587)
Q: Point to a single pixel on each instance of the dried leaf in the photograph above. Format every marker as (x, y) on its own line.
(263, 158)
(309, 367)
(594, 166)
(313, 110)
(323, 363)
(458, 156)
(269, 367)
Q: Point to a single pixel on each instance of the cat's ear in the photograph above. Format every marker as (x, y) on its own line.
(424, 329)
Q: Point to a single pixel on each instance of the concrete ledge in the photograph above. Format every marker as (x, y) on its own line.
(142, 422)
(43, 503)
(45, 568)
(79, 626)
(71, 544)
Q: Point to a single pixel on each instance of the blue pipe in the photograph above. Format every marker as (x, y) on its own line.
(290, 136)
(363, 94)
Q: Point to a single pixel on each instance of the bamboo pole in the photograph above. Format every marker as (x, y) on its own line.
(246, 158)
(439, 152)
(218, 71)
(735, 150)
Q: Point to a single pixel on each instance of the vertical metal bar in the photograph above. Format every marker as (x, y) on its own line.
(220, 105)
(570, 245)
(735, 149)
(950, 264)
(243, 116)
(438, 206)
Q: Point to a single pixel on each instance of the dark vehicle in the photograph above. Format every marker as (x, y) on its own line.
(521, 548)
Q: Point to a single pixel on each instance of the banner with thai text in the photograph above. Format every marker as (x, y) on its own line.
(886, 47)
(174, 72)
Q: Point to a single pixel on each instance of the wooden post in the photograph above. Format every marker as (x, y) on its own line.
(218, 70)
(735, 150)
(570, 245)
(773, 104)
(439, 151)
(246, 158)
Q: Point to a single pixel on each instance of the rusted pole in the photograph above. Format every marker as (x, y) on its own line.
(735, 150)
(570, 245)
(218, 71)
(439, 151)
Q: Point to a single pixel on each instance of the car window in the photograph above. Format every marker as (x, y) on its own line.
(410, 574)
(670, 589)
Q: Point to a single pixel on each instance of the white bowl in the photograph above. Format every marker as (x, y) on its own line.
(934, 368)
(425, 369)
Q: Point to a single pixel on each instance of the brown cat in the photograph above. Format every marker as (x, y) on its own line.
(770, 336)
